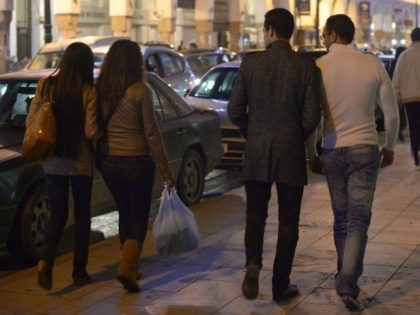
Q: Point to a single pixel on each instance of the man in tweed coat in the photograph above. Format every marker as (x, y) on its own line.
(276, 105)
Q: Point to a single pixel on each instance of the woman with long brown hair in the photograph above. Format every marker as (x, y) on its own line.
(71, 89)
(131, 135)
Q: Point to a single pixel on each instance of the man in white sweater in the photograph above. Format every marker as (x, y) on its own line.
(353, 84)
(406, 81)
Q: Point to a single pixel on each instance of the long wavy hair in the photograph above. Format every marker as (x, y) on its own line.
(123, 65)
(73, 73)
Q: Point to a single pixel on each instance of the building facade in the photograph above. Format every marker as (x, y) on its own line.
(236, 24)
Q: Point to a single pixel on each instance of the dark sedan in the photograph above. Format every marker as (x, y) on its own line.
(192, 139)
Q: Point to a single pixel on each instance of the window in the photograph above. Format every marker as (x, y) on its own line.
(218, 84)
(152, 64)
(46, 60)
(205, 88)
(225, 88)
(14, 102)
(170, 64)
(164, 109)
(186, 4)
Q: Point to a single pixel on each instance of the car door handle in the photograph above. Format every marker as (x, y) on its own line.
(181, 131)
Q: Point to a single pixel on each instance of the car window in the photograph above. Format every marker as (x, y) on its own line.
(183, 108)
(218, 84)
(3, 88)
(179, 61)
(152, 64)
(170, 64)
(202, 63)
(164, 108)
(14, 102)
(46, 60)
(98, 59)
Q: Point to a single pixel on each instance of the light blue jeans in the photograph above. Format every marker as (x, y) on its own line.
(351, 176)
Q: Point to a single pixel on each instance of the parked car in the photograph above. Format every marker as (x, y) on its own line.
(241, 54)
(192, 140)
(202, 61)
(312, 51)
(169, 64)
(213, 93)
(49, 55)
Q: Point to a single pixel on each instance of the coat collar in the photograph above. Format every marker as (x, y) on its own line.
(279, 44)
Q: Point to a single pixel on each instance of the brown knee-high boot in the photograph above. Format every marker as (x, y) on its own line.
(131, 251)
(137, 273)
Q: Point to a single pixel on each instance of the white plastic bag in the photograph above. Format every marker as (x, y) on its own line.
(175, 229)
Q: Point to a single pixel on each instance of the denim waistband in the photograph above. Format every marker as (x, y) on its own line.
(348, 148)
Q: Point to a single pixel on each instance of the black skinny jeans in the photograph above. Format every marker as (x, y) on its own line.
(289, 201)
(413, 116)
(130, 180)
(58, 191)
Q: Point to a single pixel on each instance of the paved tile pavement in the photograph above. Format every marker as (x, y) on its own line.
(208, 280)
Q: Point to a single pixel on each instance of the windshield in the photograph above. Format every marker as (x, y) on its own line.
(52, 60)
(201, 63)
(15, 98)
(216, 85)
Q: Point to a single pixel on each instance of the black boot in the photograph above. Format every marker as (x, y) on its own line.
(45, 274)
(81, 277)
(250, 284)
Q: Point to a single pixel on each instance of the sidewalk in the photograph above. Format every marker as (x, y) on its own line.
(208, 281)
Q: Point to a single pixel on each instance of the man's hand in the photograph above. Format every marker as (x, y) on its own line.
(315, 165)
(386, 157)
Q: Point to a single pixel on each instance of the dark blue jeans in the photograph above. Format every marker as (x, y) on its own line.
(351, 176)
(289, 201)
(130, 180)
(58, 191)
(413, 116)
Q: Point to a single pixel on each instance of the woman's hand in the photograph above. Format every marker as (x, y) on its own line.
(170, 183)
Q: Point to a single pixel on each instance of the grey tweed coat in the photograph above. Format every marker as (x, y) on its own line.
(276, 104)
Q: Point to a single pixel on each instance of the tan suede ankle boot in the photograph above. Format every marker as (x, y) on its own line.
(131, 251)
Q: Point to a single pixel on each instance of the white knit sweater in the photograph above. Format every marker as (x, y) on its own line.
(406, 78)
(355, 83)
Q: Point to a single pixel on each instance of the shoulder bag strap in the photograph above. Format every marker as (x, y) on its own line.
(108, 117)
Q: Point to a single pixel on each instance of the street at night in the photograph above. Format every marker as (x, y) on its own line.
(207, 281)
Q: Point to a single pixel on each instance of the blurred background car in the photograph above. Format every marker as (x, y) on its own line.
(192, 140)
(49, 55)
(202, 60)
(170, 65)
(160, 58)
(241, 54)
(312, 51)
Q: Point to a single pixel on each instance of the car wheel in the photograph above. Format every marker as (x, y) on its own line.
(27, 236)
(191, 178)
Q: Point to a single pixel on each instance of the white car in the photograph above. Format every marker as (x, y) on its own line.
(213, 93)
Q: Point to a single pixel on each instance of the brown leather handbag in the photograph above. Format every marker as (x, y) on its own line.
(40, 134)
